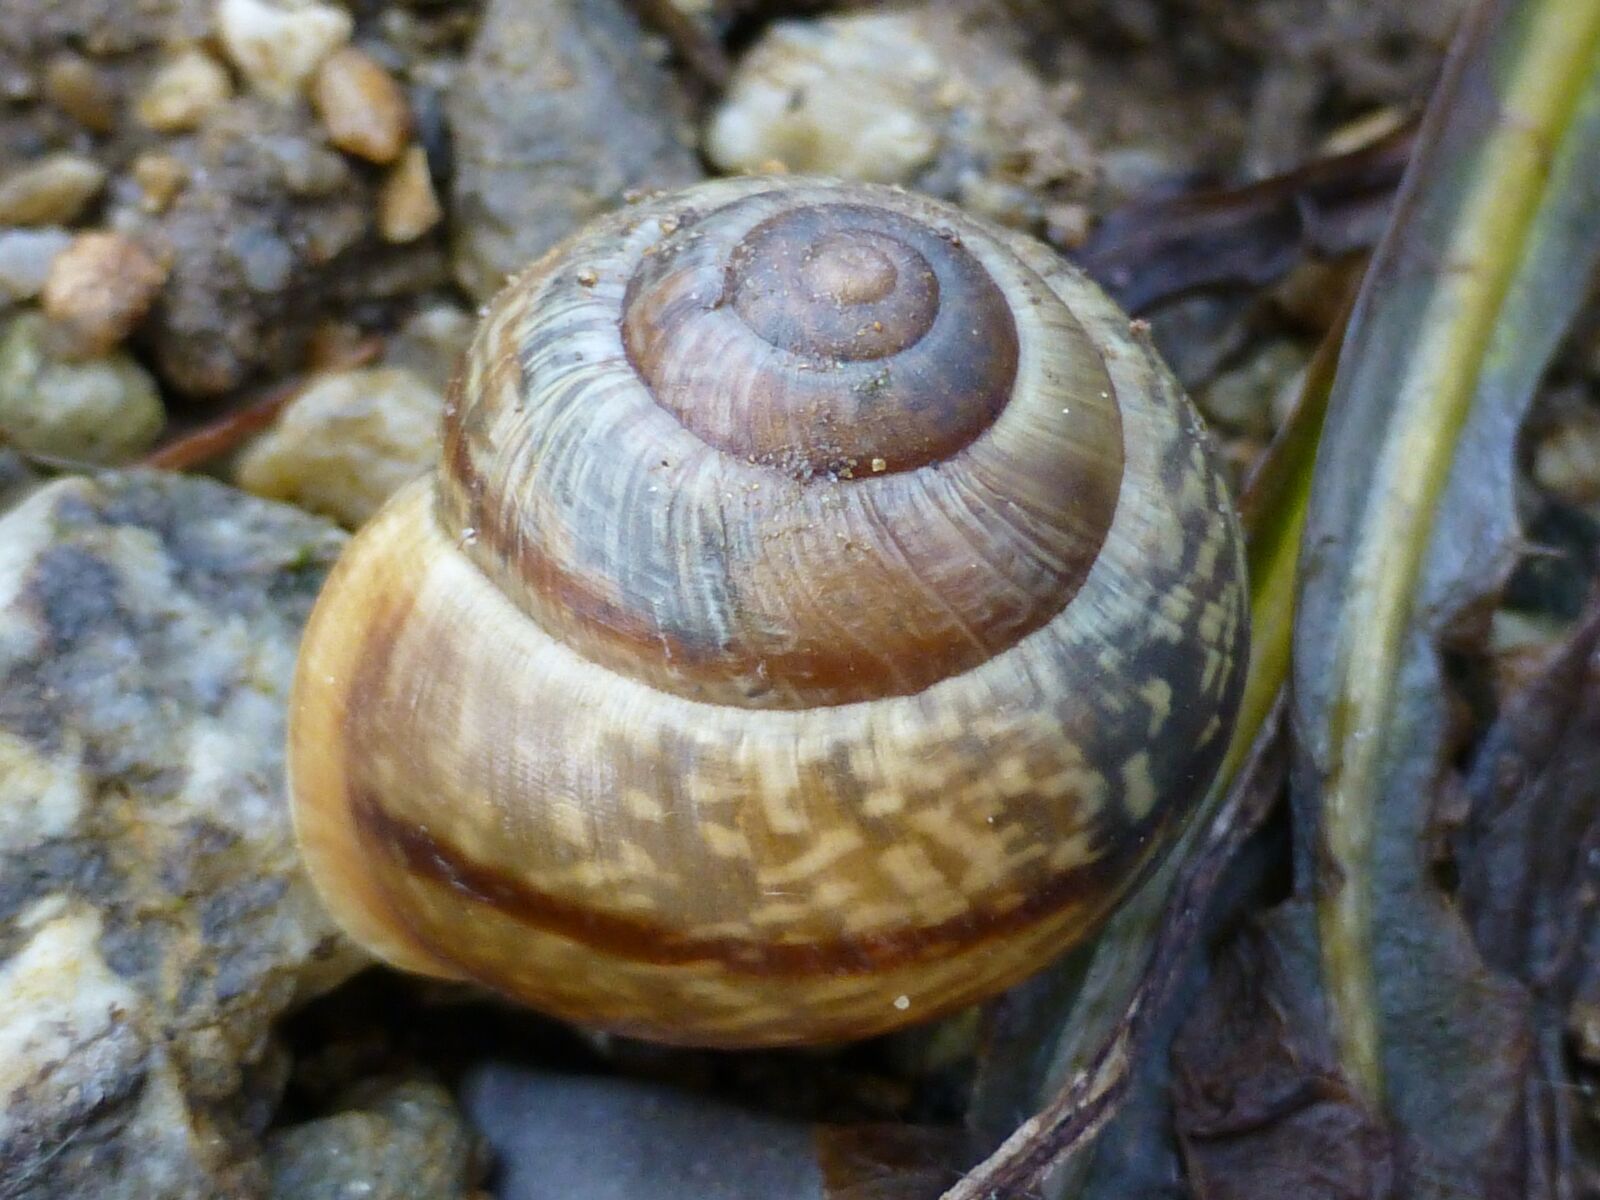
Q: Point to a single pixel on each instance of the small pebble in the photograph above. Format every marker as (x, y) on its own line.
(105, 410)
(838, 97)
(1566, 460)
(51, 191)
(346, 443)
(1519, 647)
(160, 178)
(98, 289)
(362, 106)
(1242, 397)
(606, 1138)
(1286, 398)
(81, 90)
(307, 168)
(335, 343)
(278, 44)
(183, 91)
(265, 261)
(17, 84)
(25, 258)
(912, 95)
(1068, 225)
(401, 1141)
(431, 343)
(407, 204)
(1583, 1024)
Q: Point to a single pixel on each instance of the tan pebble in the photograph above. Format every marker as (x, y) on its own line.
(278, 44)
(183, 91)
(1068, 225)
(160, 178)
(51, 191)
(80, 89)
(407, 205)
(346, 443)
(362, 106)
(98, 288)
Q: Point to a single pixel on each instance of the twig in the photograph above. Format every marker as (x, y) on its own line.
(229, 431)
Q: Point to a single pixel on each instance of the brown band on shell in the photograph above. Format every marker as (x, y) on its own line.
(416, 853)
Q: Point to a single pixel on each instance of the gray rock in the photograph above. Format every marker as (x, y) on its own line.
(268, 221)
(558, 112)
(395, 1141)
(561, 1136)
(17, 478)
(153, 917)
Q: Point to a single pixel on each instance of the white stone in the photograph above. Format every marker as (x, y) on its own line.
(278, 44)
(183, 91)
(40, 798)
(56, 996)
(25, 258)
(851, 97)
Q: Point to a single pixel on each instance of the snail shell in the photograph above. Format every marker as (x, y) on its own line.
(826, 605)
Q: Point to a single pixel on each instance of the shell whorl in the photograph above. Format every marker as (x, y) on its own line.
(785, 707)
(784, 450)
(826, 339)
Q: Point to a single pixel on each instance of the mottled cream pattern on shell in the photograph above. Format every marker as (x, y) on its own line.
(664, 707)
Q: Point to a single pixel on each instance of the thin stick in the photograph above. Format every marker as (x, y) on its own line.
(229, 431)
